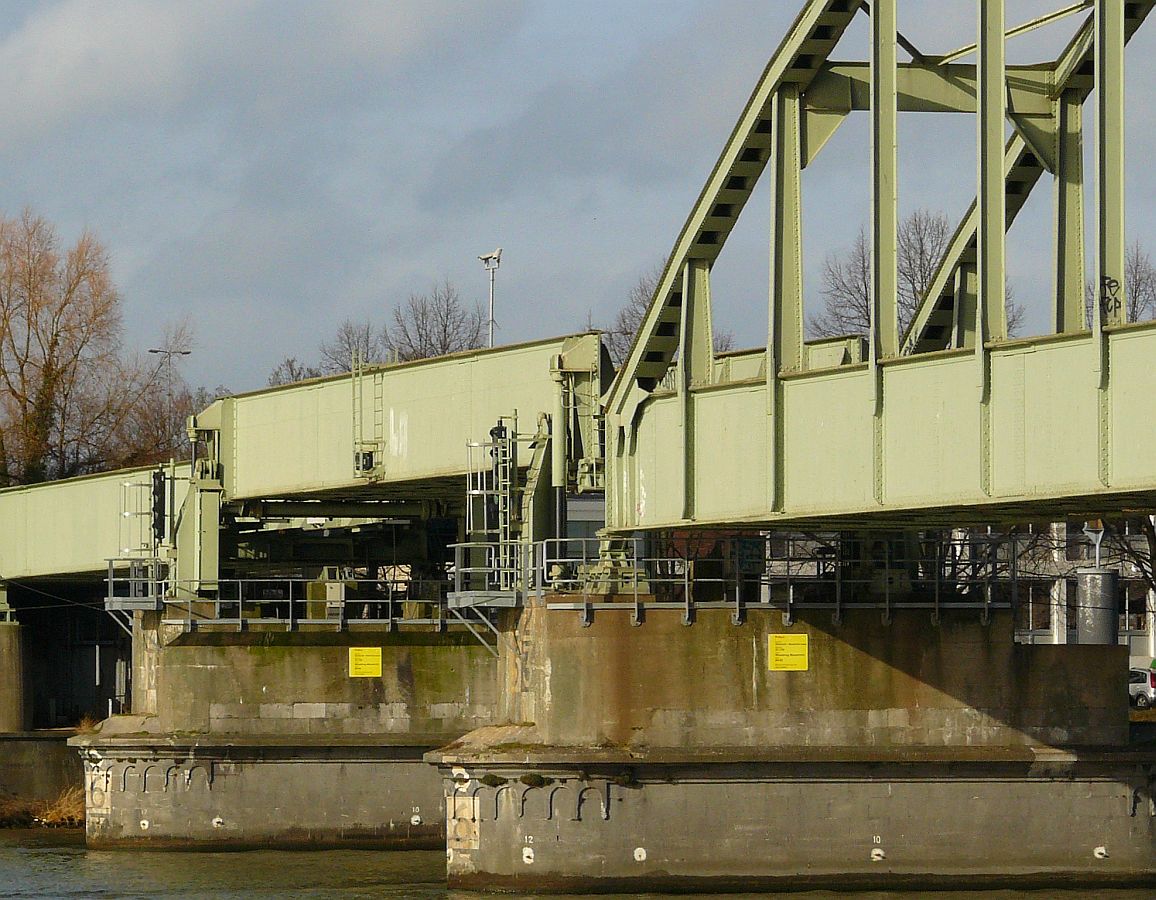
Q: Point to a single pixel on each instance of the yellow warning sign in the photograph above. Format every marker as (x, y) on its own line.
(787, 653)
(364, 662)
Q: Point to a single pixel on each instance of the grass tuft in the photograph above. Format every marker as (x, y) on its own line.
(66, 811)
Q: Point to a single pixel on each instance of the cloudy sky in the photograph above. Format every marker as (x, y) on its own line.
(271, 167)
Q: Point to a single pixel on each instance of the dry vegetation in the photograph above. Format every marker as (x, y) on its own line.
(66, 811)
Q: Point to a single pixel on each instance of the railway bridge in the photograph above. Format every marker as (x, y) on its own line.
(513, 603)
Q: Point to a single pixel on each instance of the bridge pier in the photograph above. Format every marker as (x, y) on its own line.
(11, 674)
(902, 754)
(249, 738)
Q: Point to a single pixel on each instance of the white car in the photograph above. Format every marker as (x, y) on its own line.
(1142, 687)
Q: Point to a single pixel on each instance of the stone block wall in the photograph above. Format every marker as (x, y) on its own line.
(432, 685)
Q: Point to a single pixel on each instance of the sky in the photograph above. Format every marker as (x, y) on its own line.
(270, 168)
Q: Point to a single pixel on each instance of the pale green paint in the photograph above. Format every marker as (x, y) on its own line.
(1110, 38)
(296, 440)
(1068, 305)
(75, 525)
(1024, 163)
(997, 429)
(1044, 423)
(814, 33)
(300, 438)
(991, 316)
(843, 87)
(884, 184)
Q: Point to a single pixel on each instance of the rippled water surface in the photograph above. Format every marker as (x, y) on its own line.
(55, 864)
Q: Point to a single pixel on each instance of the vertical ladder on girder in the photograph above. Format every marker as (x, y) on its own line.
(366, 452)
(492, 502)
(379, 410)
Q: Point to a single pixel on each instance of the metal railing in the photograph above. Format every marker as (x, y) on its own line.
(136, 583)
(491, 573)
(290, 603)
(788, 574)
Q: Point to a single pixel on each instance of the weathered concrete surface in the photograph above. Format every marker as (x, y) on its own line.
(12, 712)
(38, 765)
(667, 756)
(808, 820)
(664, 684)
(264, 739)
(168, 793)
(299, 684)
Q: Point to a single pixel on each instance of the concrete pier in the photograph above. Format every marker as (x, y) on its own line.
(268, 739)
(903, 753)
(12, 712)
(238, 792)
(556, 819)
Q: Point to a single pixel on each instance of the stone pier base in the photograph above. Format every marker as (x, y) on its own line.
(552, 820)
(237, 793)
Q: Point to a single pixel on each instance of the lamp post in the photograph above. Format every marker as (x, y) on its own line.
(490, 263)
(168, 354)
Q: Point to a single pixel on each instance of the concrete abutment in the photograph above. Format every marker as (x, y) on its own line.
(905, 753)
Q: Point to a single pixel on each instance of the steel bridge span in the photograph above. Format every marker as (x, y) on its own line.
(290, 685)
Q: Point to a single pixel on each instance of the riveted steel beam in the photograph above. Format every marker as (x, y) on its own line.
(785, 352)
(991, 315)
(1109, 19)
(815, 32)
(991, 306)
(931, 327)
(1068, 298)
(884, 183)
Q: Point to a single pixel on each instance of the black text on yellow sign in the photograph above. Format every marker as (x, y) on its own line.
(364, 662)
(787, 653)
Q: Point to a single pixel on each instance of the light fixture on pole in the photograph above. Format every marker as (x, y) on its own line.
(168, 354)
(490, 262)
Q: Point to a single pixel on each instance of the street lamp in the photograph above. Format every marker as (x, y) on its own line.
(490, 263)
(168, 354)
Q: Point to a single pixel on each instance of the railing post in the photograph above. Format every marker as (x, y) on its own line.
(938, 574)
(886, 582)
(738, 617)
(837, 618)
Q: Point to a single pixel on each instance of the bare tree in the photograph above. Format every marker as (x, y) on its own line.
(290, 370)
(434, 324)
(846, 281)
(1139, 286)
(847, 293)
(619, 336)
(65, 391)
(923, 237)
(367, 339)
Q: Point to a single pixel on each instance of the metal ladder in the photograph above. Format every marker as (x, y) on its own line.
(493, 510)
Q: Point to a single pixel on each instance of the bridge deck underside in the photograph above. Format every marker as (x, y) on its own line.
(1059, 434)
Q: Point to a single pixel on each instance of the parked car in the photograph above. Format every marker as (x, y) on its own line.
(1142, 687)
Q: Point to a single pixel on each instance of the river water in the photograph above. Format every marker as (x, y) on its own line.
(56, 864)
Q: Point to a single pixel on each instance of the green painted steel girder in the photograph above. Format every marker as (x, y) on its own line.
(987, 427)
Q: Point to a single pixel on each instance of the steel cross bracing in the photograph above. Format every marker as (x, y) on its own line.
(830, 434)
